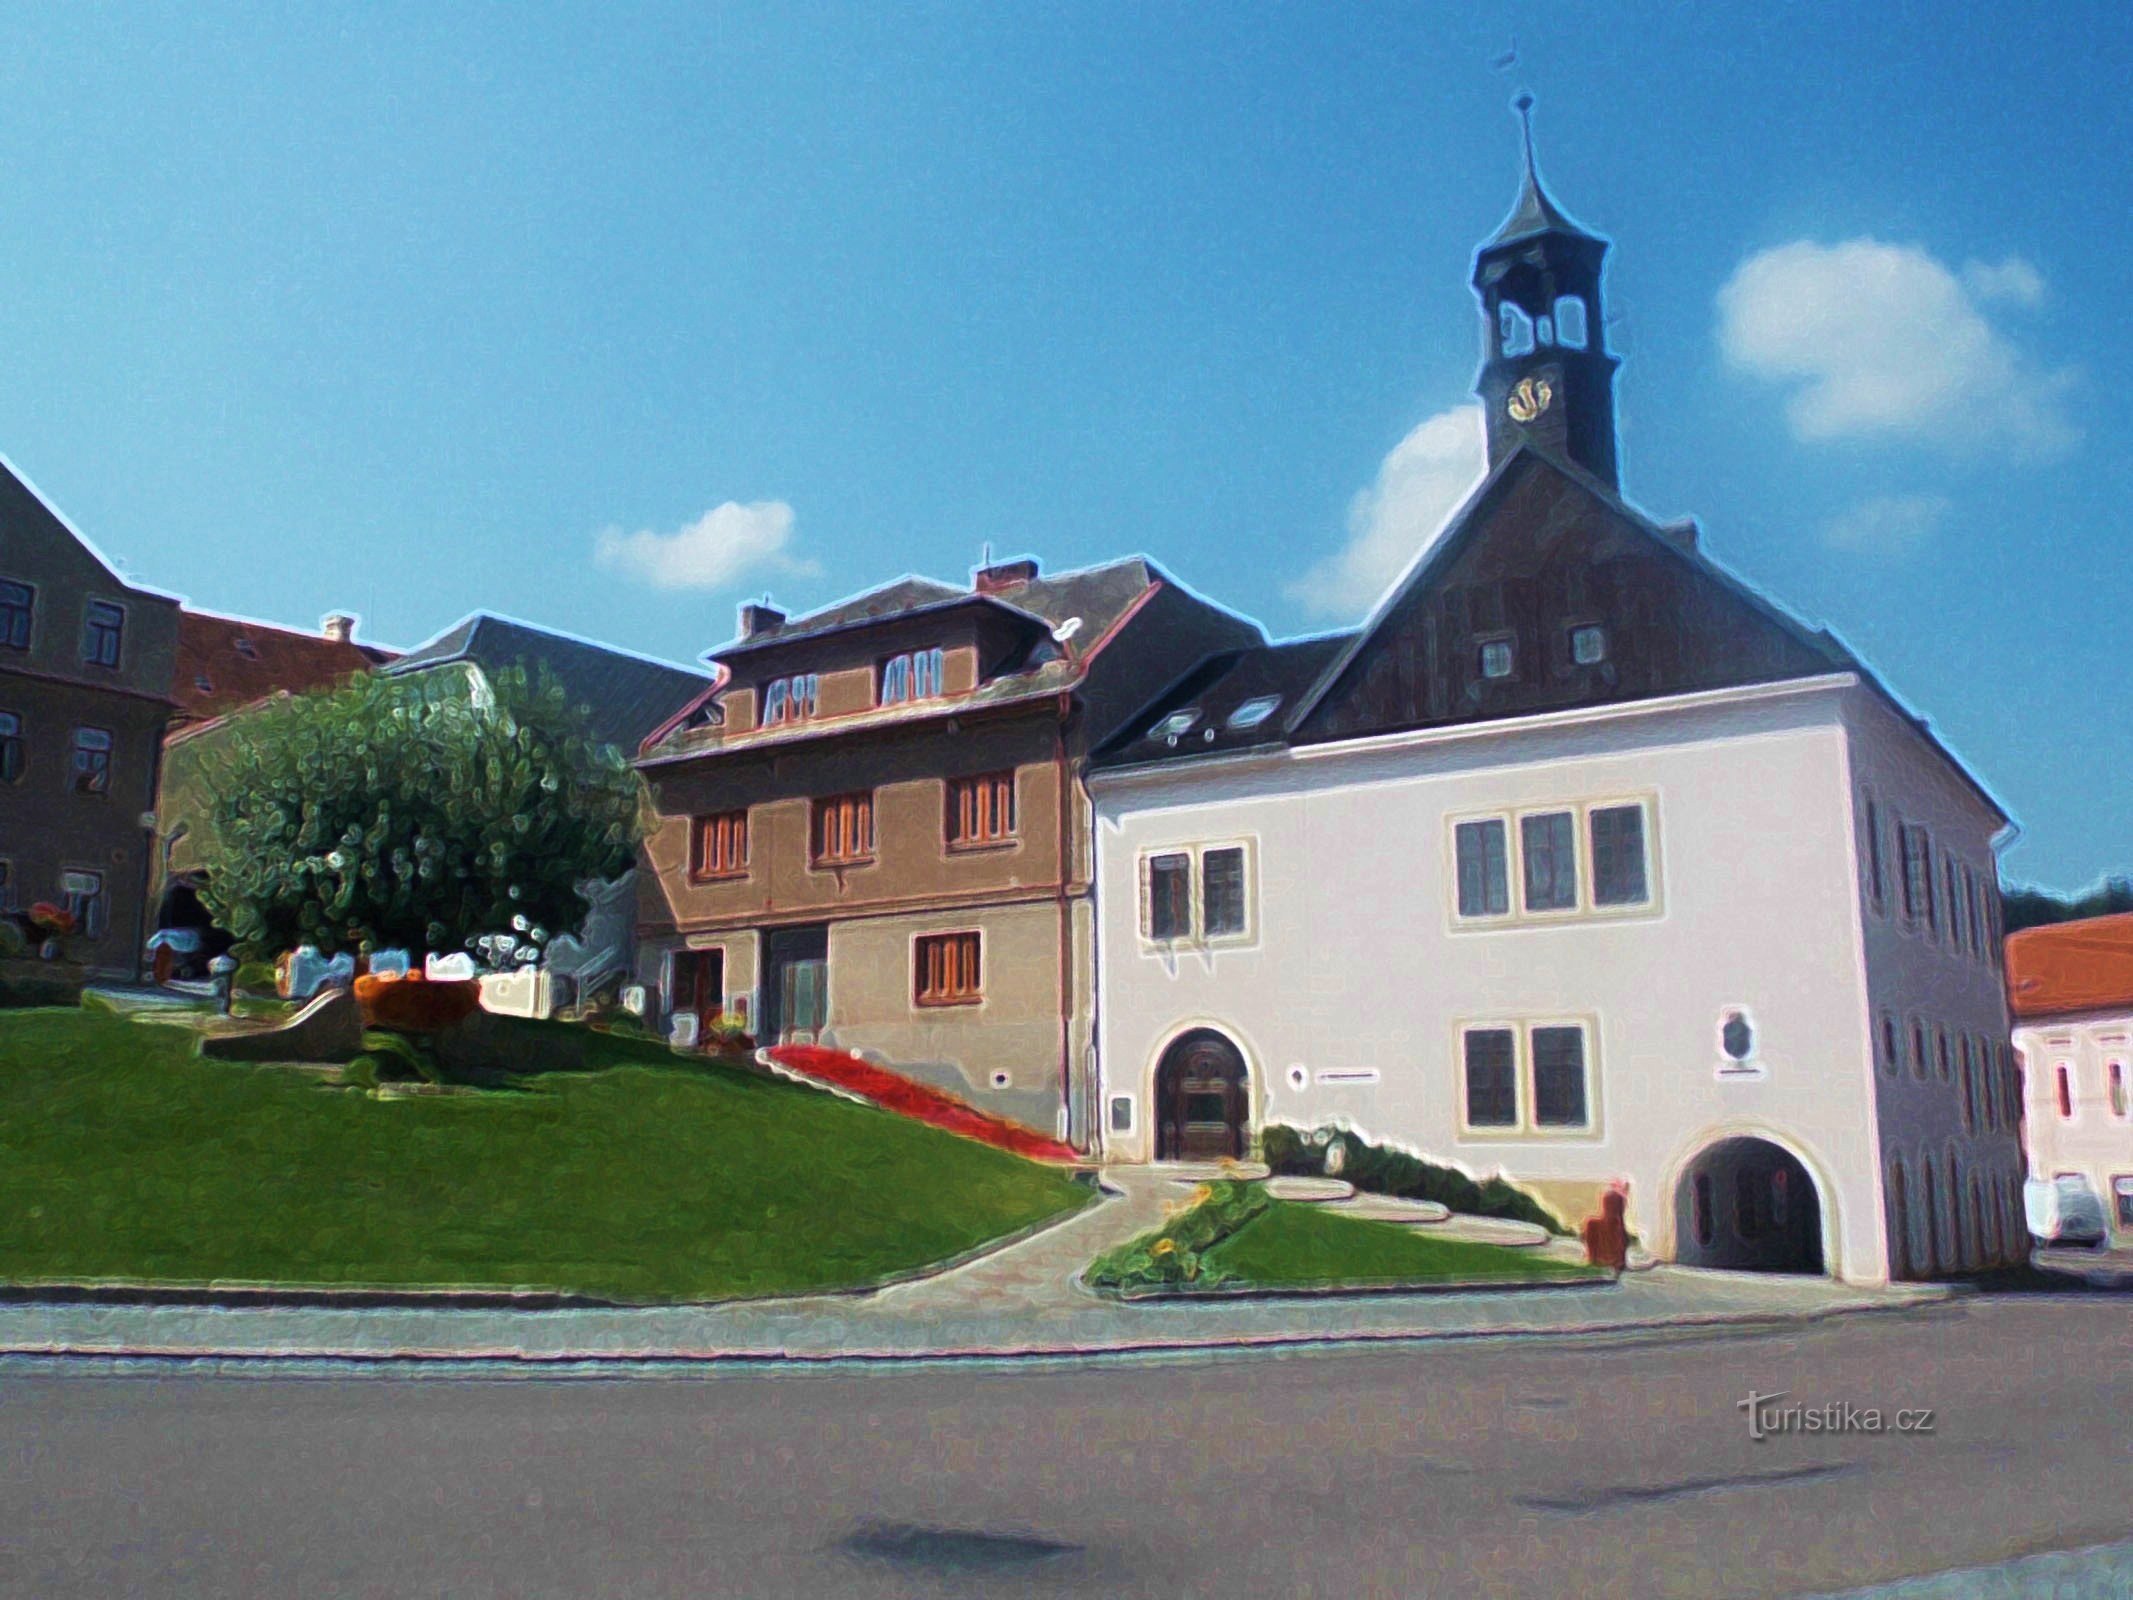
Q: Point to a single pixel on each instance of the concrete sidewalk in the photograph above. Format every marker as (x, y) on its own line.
(1022, 1300)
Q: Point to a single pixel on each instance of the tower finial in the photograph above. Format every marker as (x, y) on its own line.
(1524, 106)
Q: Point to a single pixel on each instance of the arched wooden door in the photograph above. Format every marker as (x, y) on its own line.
(1202, 1101)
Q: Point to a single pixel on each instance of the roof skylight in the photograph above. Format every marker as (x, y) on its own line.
(1176, 723)
(1255, 711)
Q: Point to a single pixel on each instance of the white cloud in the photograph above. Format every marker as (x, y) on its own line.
(1420, 483)
(1887, 525)
(2013, 280)
(1881, 340)
(717, 550)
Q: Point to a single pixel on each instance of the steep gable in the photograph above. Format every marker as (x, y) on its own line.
(1541, 550)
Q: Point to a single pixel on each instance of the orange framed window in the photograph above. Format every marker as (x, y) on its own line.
(842, 830)
(981, 810)
(947, 970)
(719, 847)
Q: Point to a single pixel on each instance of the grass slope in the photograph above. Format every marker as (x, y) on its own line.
(124, 1156)
(1294, 1245)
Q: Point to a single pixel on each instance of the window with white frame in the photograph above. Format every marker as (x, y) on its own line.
(1591, 859)
(90, 768)
(914, 675)
(1484, 867)
(82, 893)
(18, 610)
(792, 699)
(1200, 893)
(103, 628)
(1532, 1077)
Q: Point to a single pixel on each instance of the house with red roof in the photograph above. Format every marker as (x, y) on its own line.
(2070, 989)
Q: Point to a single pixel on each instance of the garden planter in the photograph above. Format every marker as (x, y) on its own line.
(415, 1004)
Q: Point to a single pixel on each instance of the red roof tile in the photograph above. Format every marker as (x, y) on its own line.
(224, 663)
(2071, 966)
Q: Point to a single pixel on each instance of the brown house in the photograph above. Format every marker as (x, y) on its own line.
(873, 834)
(85, 667)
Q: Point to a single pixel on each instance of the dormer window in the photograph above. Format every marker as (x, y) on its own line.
(792, 699)
(914, 675)
(1498, 659)
(1176, 725)
(1254, 711)
(1588, 644)
(246, 648)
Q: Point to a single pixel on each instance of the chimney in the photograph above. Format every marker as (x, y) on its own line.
(340, 627)
(1003, 576)
(760, 617)
(1683, 532)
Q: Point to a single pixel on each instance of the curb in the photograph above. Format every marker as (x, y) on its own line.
(417, 1357)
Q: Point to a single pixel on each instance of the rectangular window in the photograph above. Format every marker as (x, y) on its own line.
(792, 699)
(2116, 1071)
(1121, 1113)
(914, 675)
(1497, 658)
(1483, 853)
(1876, 877)
(1491, 1078)
(1559, 1077)
(947, 970)
(103, 627)
(1918, 1050)
(1618, 873)
(13, 753)
(91, 768)
(2122, 1188)
(1954, 920)
(18, 608)
(1169, 896)
(720, 848)
(1917, 853)
(1588, 644)
(843, 830)
(2065, 1078)
(1969, 1088)
(1549, 847)
(981, 810)
(1222, 892)
(82, 893)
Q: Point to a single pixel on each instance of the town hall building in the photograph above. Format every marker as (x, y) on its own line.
(1579, 862)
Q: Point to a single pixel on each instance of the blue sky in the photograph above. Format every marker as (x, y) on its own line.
(609, 318)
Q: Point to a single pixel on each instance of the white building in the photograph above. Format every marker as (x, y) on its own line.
(1580, 863)
(2071, 986)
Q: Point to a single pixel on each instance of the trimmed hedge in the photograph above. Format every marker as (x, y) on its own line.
(1296, 1152)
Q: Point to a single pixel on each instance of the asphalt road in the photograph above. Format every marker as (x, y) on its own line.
(1449, 1469)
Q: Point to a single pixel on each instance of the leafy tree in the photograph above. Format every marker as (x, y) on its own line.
(419, 813)
(2026, 906)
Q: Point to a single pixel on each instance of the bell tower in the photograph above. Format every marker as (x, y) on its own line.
(1546, 377)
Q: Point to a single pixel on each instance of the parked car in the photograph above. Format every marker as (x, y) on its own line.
(2064, 1210)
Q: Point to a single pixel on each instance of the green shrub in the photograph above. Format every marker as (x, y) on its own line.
(1173, 1256)
(13, 941)
(255, 977)
(361, 1073)
(99, 1003)
(398, 1058)
(1336, 1152)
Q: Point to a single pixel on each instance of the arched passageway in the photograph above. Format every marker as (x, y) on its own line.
(1749, 1206)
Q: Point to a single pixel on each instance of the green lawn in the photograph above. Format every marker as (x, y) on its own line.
(124, 1156)
(1292, 1245)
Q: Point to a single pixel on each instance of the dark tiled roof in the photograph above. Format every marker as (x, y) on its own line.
(224, 663)
(1098, 595)
(626, 696)
(1216, 689)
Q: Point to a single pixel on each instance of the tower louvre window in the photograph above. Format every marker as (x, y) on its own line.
(1514, 330)
(1570, 329)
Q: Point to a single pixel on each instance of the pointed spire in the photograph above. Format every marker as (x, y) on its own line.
(1535, 212)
